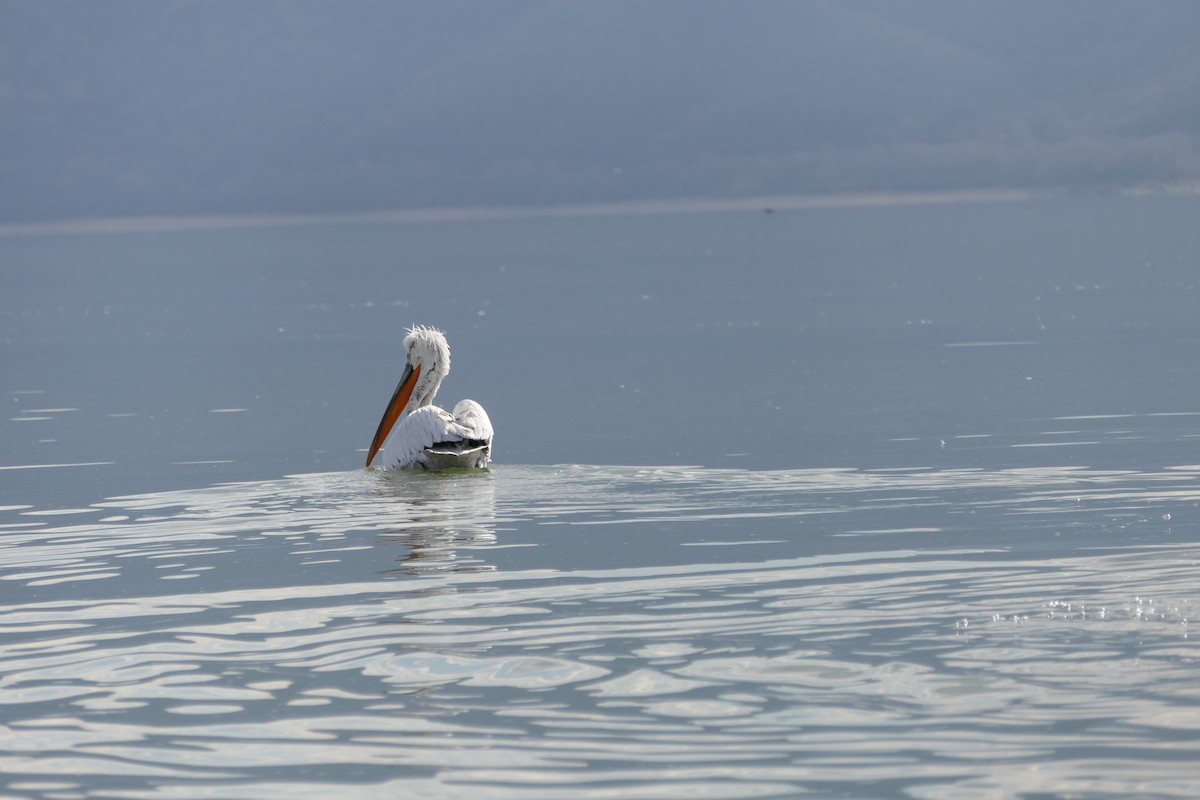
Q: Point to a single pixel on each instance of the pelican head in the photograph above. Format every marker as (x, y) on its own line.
(427, 362)
(427, 351)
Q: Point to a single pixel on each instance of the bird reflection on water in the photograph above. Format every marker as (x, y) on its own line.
(449, 516)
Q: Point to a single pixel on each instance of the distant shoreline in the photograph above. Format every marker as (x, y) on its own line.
(399, 216)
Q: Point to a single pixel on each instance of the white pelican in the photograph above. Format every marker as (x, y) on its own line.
(429, 437)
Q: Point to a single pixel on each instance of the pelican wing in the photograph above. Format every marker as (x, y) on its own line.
(471, 416)
(432, 437)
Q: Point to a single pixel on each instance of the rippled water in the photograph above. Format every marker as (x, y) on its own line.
(651, 632)
(941, 540)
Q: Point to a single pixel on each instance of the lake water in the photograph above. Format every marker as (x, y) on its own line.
(874, 502)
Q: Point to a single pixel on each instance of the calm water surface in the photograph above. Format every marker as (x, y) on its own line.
(904, 504)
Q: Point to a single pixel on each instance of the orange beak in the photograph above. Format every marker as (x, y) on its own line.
(399, 400)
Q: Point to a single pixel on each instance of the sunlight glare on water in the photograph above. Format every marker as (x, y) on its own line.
(425, 633)
(939, 539)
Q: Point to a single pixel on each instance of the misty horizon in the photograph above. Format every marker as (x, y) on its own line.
(131, 109)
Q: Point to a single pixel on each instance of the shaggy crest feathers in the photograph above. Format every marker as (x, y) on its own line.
(428, 347)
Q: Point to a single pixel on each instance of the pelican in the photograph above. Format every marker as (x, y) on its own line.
(415, 434)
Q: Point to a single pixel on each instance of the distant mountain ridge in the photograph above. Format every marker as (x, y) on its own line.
(219, 107)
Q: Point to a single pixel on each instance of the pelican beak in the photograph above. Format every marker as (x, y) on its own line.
(395, 406)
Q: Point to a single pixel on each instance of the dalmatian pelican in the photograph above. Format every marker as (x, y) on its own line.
(414, 434)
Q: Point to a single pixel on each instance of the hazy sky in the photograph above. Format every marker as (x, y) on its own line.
(131, 107)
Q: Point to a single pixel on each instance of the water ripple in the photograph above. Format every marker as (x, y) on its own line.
(917, 633)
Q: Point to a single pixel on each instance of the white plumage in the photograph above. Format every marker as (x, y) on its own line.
(415, 434)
